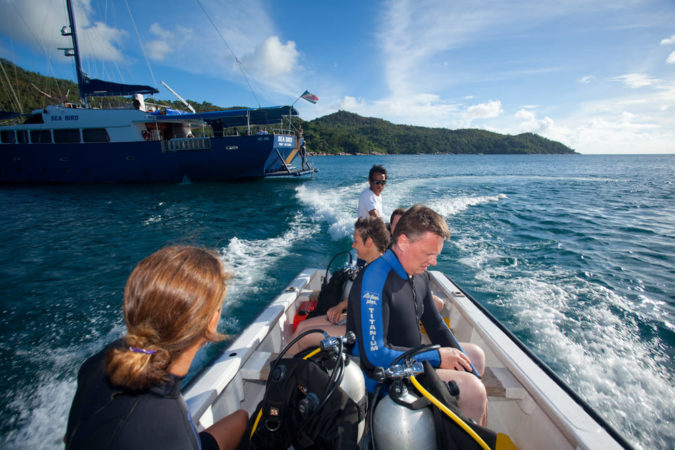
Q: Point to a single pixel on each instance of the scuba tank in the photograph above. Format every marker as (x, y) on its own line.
(400, 421)
(353, 381)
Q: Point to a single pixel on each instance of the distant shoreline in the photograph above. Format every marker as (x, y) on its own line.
(409, 154)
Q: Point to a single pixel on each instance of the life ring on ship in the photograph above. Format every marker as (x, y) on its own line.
(146, 135)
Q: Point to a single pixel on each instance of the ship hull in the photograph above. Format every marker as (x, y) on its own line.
(198, 159)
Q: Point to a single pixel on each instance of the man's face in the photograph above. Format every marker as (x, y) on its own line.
(416, 256)
(359, 245)
(377, 182)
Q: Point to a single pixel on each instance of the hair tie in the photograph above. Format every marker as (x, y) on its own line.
(142, 350)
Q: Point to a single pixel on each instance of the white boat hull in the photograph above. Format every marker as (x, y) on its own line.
(525, 402)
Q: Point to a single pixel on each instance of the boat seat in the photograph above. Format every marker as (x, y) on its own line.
(257, 368)
(500, 383)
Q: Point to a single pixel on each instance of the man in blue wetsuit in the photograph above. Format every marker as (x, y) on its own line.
(392, 295)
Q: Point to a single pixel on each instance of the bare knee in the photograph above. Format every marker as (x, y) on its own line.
(476, 355)
(229, 430)
(472, 398)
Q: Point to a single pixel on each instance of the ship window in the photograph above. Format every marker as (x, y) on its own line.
(67, 136)
(22, 136)
(95, 135)
(7, 136)
(40, 136)
(34, 118)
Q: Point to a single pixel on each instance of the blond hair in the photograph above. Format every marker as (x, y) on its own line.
(169, 300)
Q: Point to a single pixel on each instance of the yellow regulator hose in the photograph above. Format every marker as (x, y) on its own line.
(449, 413)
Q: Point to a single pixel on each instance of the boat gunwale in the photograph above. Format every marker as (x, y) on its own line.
(259, 328)
(518, 371)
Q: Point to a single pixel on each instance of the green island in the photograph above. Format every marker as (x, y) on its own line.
(340, 133)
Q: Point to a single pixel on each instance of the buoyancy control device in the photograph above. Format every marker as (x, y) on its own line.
(304, 405)
(335, 287)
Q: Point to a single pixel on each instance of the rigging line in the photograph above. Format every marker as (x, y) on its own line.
(154, 81)
(35, 35)
(9, 83)
(239, 63)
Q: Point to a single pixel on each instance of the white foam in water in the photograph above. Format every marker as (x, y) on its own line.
(447, 207)
(583, 327)
(336, 206)
(43, 411)
(252, 259)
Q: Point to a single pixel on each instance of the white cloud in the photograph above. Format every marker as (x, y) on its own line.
(586, 79)
(668, 41)
(36, 23)
(272, 58)
(636, 80)
(167, 42)
(487, 110)
(671, 58)
(530, 124)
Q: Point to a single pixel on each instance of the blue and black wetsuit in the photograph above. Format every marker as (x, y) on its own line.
(384, 310)
(107, 417)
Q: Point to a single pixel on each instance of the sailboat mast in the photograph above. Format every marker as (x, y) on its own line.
(75, 50)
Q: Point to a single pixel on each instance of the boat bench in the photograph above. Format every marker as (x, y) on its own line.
(499, 382)
(257, 368)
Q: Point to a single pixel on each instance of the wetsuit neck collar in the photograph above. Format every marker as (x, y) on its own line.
(170, 387)
(390, 258)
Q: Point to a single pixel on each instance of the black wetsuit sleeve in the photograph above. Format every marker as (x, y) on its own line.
(433, 322)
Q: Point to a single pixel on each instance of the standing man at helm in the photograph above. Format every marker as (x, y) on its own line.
(392, 295)
(370, 201)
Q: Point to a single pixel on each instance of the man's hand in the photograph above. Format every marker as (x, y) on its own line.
(334, 313)
(454, 359)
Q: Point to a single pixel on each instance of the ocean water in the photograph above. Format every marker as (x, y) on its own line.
(574, 254)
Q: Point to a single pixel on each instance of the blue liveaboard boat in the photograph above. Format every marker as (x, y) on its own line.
(70, 143)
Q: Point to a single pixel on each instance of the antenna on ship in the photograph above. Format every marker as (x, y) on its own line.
(189, 106)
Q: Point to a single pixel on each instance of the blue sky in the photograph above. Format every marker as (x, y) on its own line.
(597, 75)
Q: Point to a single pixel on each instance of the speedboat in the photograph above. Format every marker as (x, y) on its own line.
(527, 401)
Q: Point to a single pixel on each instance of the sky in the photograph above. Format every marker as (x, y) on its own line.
(596, 75)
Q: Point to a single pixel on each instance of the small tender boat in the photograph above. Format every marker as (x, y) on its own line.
(69, 143)
(527, 401)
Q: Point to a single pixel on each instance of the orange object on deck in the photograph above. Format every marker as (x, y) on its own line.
(302, 312)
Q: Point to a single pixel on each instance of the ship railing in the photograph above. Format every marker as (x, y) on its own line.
(186, 144)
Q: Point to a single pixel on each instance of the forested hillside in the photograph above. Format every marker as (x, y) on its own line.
(338, 133)
(28, 89)
(350, 133)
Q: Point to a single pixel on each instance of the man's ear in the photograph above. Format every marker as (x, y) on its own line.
(368, 242)
(403, 242)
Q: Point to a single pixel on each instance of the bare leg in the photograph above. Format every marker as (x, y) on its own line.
(476, 355)
(313, 340)
(472, 398)
(229, 430)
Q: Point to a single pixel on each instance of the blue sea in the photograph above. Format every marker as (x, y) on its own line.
(574, 254)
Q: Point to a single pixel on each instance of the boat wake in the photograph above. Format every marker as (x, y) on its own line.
(253, 260)
(587, 333)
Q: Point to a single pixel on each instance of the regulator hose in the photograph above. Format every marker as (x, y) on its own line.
(454, 417)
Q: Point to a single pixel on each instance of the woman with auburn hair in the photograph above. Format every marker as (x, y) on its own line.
(128, 394)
